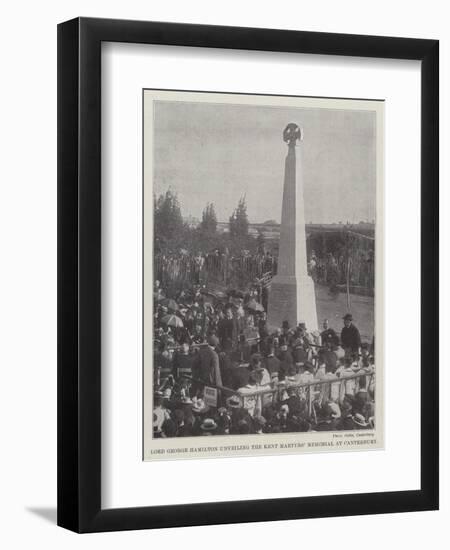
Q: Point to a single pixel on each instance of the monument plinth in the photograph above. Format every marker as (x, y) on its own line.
(292, 297)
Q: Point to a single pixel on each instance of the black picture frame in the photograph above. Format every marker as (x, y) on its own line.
(79, 274)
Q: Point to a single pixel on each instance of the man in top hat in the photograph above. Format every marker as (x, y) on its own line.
(350, 337)
(286, 332)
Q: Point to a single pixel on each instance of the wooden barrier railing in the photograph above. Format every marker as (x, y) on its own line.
(324, 389)
(321, 389)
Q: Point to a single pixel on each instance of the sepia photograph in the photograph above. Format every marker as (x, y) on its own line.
(262, 277)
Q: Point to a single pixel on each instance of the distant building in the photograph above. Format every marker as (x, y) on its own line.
(191, 221)
(271, 229)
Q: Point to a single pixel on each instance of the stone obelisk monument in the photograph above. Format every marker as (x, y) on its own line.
(292, 297)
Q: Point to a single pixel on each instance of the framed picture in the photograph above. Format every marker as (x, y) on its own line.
(248, 275)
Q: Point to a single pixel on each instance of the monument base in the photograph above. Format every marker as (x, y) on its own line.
(292, 299)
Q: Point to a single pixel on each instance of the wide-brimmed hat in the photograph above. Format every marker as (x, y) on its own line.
(208, 425)
(233, 402)
(359, 420)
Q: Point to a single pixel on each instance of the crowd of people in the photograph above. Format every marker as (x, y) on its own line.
(331, 269)
(235, 270)
(263, 381)
(217, 265)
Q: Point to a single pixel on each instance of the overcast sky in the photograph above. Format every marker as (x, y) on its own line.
(218, 152)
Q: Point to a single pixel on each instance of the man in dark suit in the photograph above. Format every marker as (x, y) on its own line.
(350, 337)
(226, 328)
(286, 359)
(183, 361)
(208, 362)
(329, 336)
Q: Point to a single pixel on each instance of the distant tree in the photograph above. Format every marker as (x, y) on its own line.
(239, 220)
(208, 224)
(168, 221)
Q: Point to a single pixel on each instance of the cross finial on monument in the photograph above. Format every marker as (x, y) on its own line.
(292, 295)
(292, 133)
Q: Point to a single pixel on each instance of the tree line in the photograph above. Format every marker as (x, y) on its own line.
(172, 233)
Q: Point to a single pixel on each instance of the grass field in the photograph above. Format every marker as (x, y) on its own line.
(334, 308)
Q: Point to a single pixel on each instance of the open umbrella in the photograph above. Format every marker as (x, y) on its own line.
(172, 321)
(255, 306)
(170, 304)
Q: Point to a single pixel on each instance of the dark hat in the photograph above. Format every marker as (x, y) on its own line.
(309, 366)
(243, 427)
(233, 402)
(297, 423)
(285, 324)
(208, 425)
(259, 422)
(348, 317)
(169, 428)
(255, 358)
(213, 341)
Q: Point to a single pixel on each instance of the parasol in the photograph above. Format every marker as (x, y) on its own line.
(253, 304)
(172, 321)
